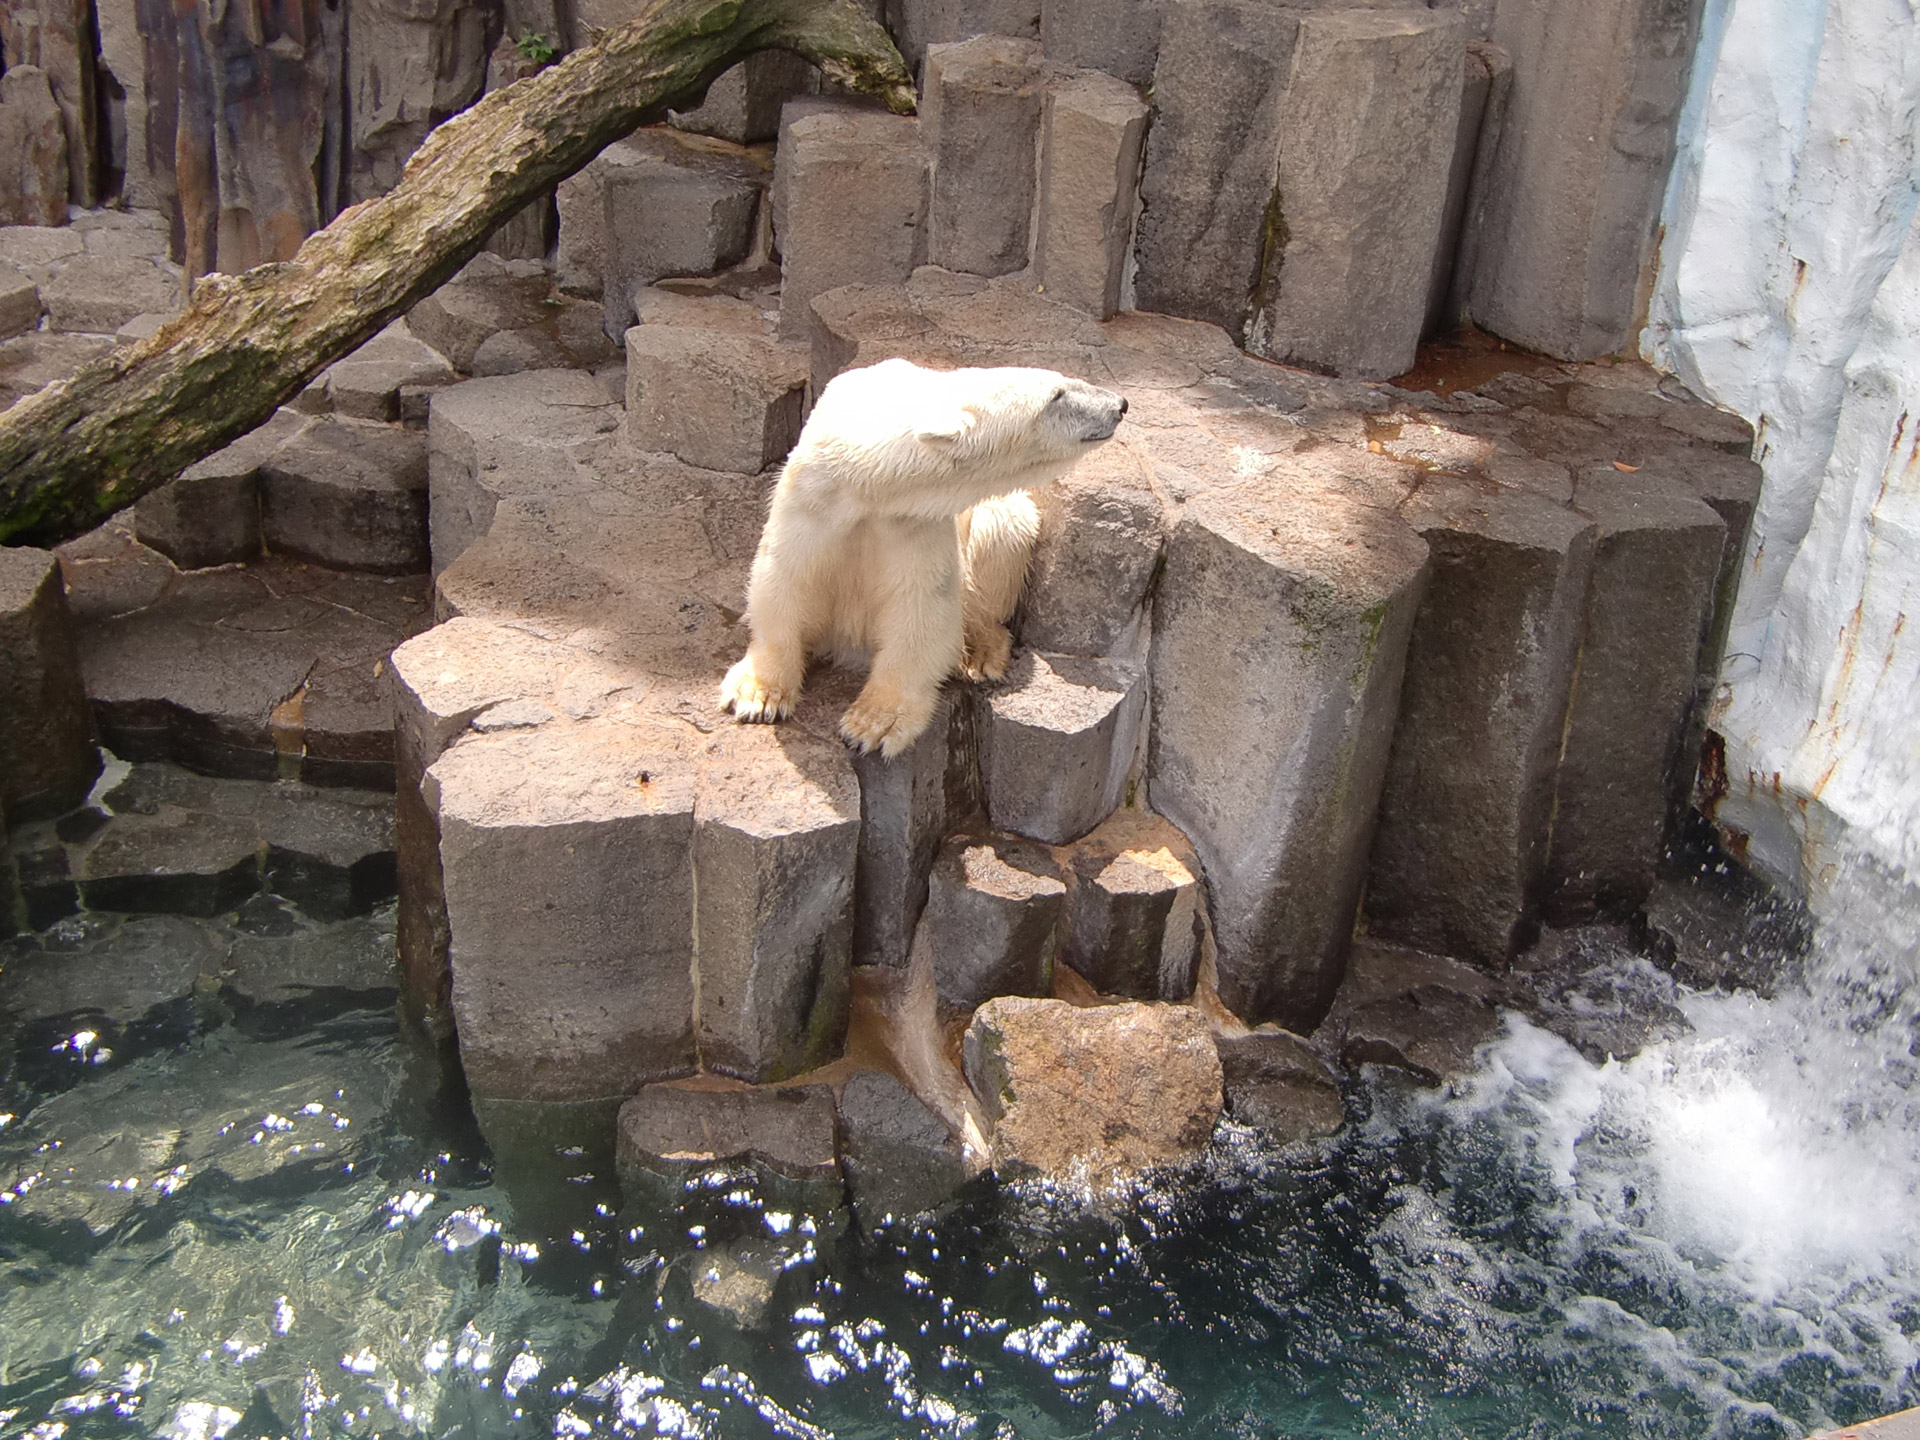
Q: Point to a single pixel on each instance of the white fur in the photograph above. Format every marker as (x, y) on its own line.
(901, 527)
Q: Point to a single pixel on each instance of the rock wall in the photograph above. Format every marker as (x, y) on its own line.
(1789, 290)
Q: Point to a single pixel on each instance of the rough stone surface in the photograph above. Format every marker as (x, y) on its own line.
(1264, 617)
(671, 1131)
(1057, 740)
(1092, 1095)
(992, 921)
(1418, 1013)
(34, 192)
(47, 758)
(720, 398)
(1487, 85)
(28, 362)
(1468, 801)
(488, 296)
(98, 294)
(743, 104)
(580, 252)
(348, 494)
(1347, 248)
(1563, 217)
(899, 1158)
(210, 515)
(673, 219)
(1656, 562)
(917, 24)
(903, 818)
(1134, 908)
(979, 116)
(20, 307)
(1092, 137)
(855, 183)
(1121, 37)
(57, 36)
(366, 385)
(409, 66)
(1277, 1083)
(1101, 533)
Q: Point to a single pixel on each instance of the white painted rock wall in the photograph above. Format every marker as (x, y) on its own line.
(1790, 291)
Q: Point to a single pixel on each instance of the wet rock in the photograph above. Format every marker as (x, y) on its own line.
(192, 864)
(1276, 1082)
(348, 494)
(776, 830)
(588, 993)
(980, 116)
(743, 103)
(667, 1132)
(116, 970)
(1599, 988)
(47, 757)
(1057, 740)
(1134, 908)
(367, 384)
(1092, 1095)
(29, 362)
(210, 515)
(331, 852)
(354, 956)
(1726, 932)
(1468, 801)
(737, 1281)
(1343, 282)
(675, 219)
(917, 24)
(34, 192)
(488, 296)
(1563, 219)
(1656, 562)
(1269, 608)
(1420, 1013)
(720, 398)
(20, 307)
(99, 294)
(1120, 37)
(855, 183)
(992, 920)
(1101, 534)
(900, 1159)
(1094, 130)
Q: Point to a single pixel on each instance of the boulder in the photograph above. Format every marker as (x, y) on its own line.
(1277, 1083)
(1092, 138)
(992, 920)
(349, 494)
(366, 385)
(1486, 85)
(669, 1132)
(31, 361)
(99, 294)
(1095, 1095)
(184, 864)
(1057, 741)
(20, 305)
(408, 67)
(47, 756)
(855, 187)
(903, 818)
(32, 130)
(58, 37)
(1468, 801)
(1134, 908)
(720, 398)
(210, 515)
(488, 296)
(1418, 1013)
(980, 116)
(900, 1159)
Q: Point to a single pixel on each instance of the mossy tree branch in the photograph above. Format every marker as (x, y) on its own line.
(82, 449)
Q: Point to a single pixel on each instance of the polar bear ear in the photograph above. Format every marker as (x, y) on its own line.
(945, 426)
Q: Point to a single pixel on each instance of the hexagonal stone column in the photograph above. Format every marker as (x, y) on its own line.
(1091, 139)
(992, 922)
(348, 494)
(47, 756)
(1280, 635)
(980, 113)
(1057, 741)
(1134, 908)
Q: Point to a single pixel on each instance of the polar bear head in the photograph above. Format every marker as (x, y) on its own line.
(937, 442)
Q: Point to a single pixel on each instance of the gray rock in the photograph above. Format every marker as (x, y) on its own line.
(119, 971)
(29, 362)
(918, 24)
(794, 110)
(1562, 219)
(903, 817)
(1348, 249)
(979, 119)
(1414, 1012)
(1598, 988)
(210, 515)
(1280, 634)
(99, 294)
(367, 384)
(1101, 534)
(510, 352)
(1092, 137)
(406, 68)
(1277, 1083)
(1093, 1095)
(665, 219)
(1218, 93)
(1487, 85)
(348, 494)
(900, 1159)
(1732, 934)
(1121, 37)
(1656, 562)
(47, 757)
(1468, 801)
(1057, 741)
(776, 830)
(354, 956)
(329, 851)
(488, 296)
(580, 250)
(587, 991)
(718, 399)
(992, 920)
(737, 1281)
(668, 1132)
(184, 864)
(20, 307)
(1134, 908)
(855, 183)
(34, 191)
(743, 103)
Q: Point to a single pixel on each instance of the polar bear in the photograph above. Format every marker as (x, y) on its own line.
(901, 527)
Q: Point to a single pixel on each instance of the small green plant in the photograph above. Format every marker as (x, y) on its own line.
(534, 46)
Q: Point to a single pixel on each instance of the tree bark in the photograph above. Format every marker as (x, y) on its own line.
(86, 447)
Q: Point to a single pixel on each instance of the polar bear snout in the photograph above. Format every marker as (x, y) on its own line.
(1087, 412)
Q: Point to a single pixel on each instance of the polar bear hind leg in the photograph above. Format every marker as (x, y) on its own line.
(996, 542)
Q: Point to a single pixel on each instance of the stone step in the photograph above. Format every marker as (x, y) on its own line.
(995, 912)
(350, 495)
(1057, 739)
(1135, 912)
(980, 123)
(47, 758)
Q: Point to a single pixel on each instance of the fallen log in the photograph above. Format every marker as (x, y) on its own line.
(80, 450)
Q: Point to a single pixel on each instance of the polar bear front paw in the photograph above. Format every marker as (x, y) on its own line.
(987, 652)
(752, 699)
(883, 720)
